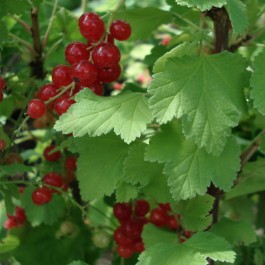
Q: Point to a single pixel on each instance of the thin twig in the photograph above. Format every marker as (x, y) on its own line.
(22, 22)
(24, 43)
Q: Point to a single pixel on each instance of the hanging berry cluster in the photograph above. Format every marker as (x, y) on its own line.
(132, 219)
(16, 220)
(90, 65)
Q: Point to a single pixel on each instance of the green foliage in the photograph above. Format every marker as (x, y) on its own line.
(126, 114)
(78, 263)
(202, 5)
(217, 82)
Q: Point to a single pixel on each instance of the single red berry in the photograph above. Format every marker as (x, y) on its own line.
(91, 26)
(21, 189)
(172, 222)
(53, 179)
(48, 91)
(158, 217)
(70, 163)
(110, 74)
(36, 108)
(142, 207)
(20, 215)
(120, 30)
(2, 83)
(187, 233)
(84, 73)
(132, 229)
(52, 157)
(139, 246)
(10, 223)
(1, 95)
(121, 239)
(2, 145)
(41, 196)
(122, 211)
(97, 88)
(62, 104)
(125, 251)
(106, 55)
(76, 52)
(61, 75)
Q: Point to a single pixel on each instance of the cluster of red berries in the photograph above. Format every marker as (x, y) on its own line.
(2, 86)
(16, 220)
(132, 219)
(91, 64)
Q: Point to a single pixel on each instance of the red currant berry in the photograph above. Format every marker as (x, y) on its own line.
(106, 55)
(122, 211)
(187, 233)
(41, 196)
(97, 88)
(10, 223)
(62, 104)
(91, 26)
(20, 215)
(120, 30)
(1, 95)
(70, 163)
(165, 206)
(172, 222)
(107, 75)
(125, 251)
(36, 108)
(48, 91)
(139, 246)
(53, 179)
(2, 145)
(121, 239)
(132, 229)
(2, 83)
(61, 75)
(52, 157)
(158, 217)
(76, 52)
(142, 207)
(84, 73)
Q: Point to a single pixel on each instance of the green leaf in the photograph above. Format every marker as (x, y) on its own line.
(202, 5)
(257, 82)
(126, 114)
(238, 15)
(14, 169)
(181, 50)
(42, 214)
(206, 92)
(8, 244)
(193, 252)
(126, 192)
(196, 212)
(251, 180)
(78, 263)
(4, 32)
(235, 232)
(144, 20)
(189, 168)
(100, 165)
(153, 235)
(138, 171)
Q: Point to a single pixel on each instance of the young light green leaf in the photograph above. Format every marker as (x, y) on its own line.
(8, 243)
(42, 214)
(190, 170)
(202, 5)
(150, 17)
(100, 165)
(206, 92)
(257, 82)
(195, 212)
(78, 263)
(126, 114)
(193, 252)
(238, 15)
(252, 180)
(235, 232)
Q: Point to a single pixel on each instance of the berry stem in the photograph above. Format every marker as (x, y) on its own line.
(46, 36)
(22, 22)
(25, 43)
(83, 6)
